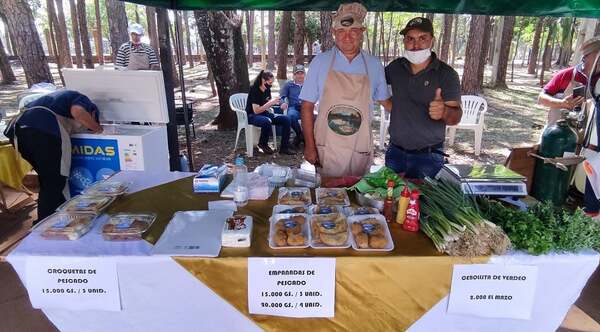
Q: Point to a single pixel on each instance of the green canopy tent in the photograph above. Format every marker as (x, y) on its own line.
(579, 8)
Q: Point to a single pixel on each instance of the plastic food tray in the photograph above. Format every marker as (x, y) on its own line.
(324, 209)
(107, 187)
(323, 245)
(66, 226)
(332, 196)
(127, 226)
(305, 230)
(279, 209)
(386, 231)
(360, 210)
(294, 196)
(86, 203)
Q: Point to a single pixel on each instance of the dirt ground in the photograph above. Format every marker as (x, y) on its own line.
(513, 119)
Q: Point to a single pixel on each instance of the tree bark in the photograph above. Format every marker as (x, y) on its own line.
(430, 16)
(535, 50)
(62, 39)
(217, 33)
(250, 37)
(547, 49)
(29, 49)
(6, 72)
(381, 36)
(487, 31)
(166, 61)
(500, 65)
(263, 44)
(117, 23)
(136, 14)
(181, 54)
(98, 34)
(85, 37)
(512, 63)
(299, 17)
(49, 43)
(151, 20)
(282, 45)
(188, 39)
(444, 48)
(454, 40)
(374, 41)
(470, 84)
(271, 48)
(76, 34)
(326, 36)
(389, 38)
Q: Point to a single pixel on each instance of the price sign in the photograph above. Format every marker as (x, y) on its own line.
(74, 283)
(291, 287)
(490, 290)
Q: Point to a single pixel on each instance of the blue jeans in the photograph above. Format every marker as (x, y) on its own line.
(413, 165)
(294, 116)
(265, 120)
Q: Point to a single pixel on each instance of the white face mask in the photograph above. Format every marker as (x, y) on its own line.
(417, 57)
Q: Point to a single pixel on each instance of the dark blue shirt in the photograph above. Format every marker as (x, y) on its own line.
(58, 102)
(291, 93)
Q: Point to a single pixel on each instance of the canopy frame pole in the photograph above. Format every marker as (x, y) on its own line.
(186, 120)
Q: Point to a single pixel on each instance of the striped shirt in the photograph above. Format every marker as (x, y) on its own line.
(126, 49)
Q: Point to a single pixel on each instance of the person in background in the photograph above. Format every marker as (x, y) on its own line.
(425, 99)
(135, 55)
(345, 81)
(290, 94)
(257, 106)
(557, 94)
(41, 134)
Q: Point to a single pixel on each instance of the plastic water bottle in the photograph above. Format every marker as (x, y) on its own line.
(240, 178)
(184, 163)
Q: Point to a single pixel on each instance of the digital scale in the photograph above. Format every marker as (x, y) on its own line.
(488, 180)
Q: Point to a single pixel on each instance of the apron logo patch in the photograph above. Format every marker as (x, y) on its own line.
(426, 83)
(344, 119)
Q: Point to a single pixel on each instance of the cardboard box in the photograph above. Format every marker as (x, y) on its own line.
(210, 179)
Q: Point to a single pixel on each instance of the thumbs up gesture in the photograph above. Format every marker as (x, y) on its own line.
(436, 107)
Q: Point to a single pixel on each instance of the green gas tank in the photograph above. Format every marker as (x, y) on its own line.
(551, 183)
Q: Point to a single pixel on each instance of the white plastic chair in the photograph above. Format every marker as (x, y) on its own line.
(384, 124)
(237, 102)
(474, 108)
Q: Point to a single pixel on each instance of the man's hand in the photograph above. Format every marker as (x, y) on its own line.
(311, 155)
(436, 107)
(571, 101)
(284, 106)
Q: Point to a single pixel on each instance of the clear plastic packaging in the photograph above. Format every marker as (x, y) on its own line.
(332, 196)
(360, 210)
(289, 231)
(370, 233)
(237, 231)
(283, 209)
(329, 231)
(294, 196)
(86, 203)
(66, 226)
(277, 175)
(107, 188)
(304, 178)
(127, 226)
(324, 209)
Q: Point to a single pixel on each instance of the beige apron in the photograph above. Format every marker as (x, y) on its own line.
(138, 61)
(555, 113)
(343, 125)
(66, 126)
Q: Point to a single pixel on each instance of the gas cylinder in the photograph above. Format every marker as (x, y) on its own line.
(551, 183)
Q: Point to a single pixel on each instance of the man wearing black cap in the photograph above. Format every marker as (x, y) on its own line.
(425, 98)
(290, 94)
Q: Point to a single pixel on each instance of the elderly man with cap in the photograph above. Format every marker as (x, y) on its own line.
(135, 55)
(425, 98)
(559, 94)
(344, 81)
(290, 94)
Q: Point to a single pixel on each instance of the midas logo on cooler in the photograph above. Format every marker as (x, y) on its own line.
(89, 150)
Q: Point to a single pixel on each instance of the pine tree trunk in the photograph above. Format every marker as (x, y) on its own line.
(389, 36)
(326, 36)
(117, 23)
(250, 37)
(271, 48)
(299, 32)
(180, 36)
(49, 42)
(29, 49)
(263, 43)
(454, 39)
(63, 40)
(381, 36)
(52, 23)
(430, 16)
(446, 37)
(487, 31)
(499, 70)
(98, 33)
(76, 34)
(6, 72)
(239, 52)
(374, 41)
(282, 45)
(512, 63)
(470, 83)
(495, 35)
(151, 20)
(85, 37)
(188, 39)
(535, 50)
(217, 35)
(547, 49)
(136, 14)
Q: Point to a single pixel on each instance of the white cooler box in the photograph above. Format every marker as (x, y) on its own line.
(122, 97)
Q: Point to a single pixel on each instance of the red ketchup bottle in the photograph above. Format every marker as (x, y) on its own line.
(388, 204)
(413, 212)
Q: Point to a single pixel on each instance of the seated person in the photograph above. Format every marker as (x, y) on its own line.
(289, 94)
(258, 105)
